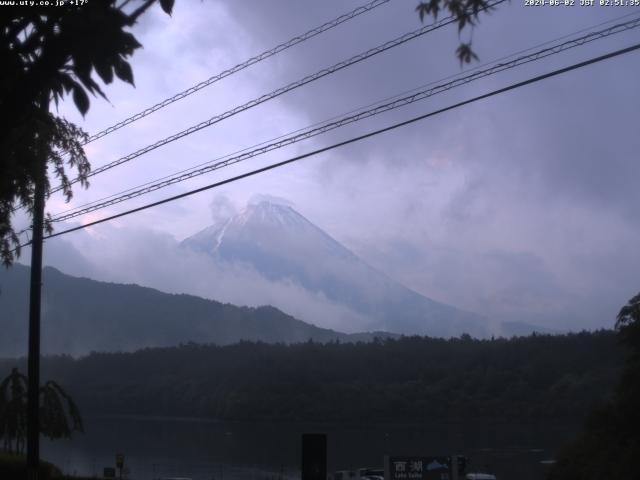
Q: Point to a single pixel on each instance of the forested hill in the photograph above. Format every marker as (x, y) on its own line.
(411, 379)
(80, 315)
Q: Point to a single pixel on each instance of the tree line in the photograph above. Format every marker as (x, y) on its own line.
(609, 445)
(413, 379)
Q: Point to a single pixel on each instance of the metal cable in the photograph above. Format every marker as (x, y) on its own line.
(513, 86)
(335, 117)
(241, 66)
(328, 126)
(280, 91)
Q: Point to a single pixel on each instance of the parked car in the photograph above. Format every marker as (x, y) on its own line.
(479, 476)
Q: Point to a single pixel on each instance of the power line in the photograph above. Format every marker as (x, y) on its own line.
(339, 116)
(280, 91)
(336, 117)
(355, 139)
(241, 66)
(328, 126)
(226, 73)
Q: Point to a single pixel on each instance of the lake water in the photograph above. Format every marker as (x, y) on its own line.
(208, 450)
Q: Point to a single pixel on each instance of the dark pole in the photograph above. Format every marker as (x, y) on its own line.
(33, 403)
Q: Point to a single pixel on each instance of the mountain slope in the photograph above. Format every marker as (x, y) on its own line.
(282, 245)
(81, 315)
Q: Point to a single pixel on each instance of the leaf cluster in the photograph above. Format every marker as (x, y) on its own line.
(609, 446)
(55, 138)
(628, 326)
(465, 12)
(13, 404)
(59, 415)
(46, 55)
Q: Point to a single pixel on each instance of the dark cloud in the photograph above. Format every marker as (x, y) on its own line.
(521, 207)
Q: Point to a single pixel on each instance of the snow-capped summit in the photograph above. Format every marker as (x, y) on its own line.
(268, 224)
(283, 246)
(268, 211)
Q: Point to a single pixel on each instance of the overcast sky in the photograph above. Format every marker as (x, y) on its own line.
(519, 207)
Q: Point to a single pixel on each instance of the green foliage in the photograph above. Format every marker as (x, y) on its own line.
(610, 444)
(14, 467)
(13, 407)
(465, 12)
(465, 54)
(59, 415)
(20, 153)
(45, 56)
(628, 326)
(411, 379)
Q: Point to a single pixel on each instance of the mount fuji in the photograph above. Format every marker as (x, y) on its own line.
(283, 246)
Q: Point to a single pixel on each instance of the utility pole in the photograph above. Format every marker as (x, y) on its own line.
(33, 368)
